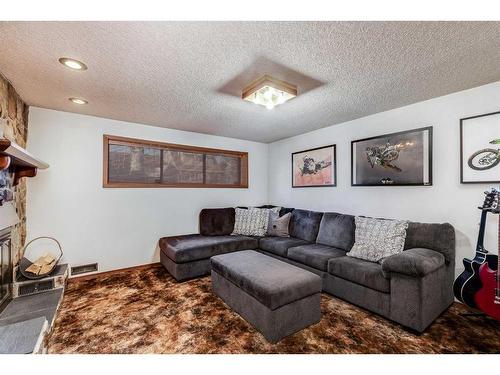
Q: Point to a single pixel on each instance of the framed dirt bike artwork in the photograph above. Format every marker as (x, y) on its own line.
(315, 167)
(480, 149)
(396, 159)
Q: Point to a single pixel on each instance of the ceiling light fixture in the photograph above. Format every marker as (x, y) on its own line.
(269, 92)
(78, 101)
(72, 63)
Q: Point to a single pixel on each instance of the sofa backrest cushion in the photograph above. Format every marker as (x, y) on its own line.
(305, 224)
(438, 237)
(217, 221)
(285, 210)
(337, 230)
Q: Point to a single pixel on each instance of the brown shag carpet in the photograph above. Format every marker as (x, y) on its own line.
(146, 311)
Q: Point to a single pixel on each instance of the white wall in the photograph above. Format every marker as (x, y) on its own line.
(118, 227)
(446, 201)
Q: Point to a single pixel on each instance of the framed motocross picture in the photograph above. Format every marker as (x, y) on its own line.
(396, 159)
(480, 149)
(315, 167)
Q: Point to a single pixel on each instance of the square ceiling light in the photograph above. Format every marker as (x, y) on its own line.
(269, 92)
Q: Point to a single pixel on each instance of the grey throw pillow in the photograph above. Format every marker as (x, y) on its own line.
(376, 239)
(278, 226)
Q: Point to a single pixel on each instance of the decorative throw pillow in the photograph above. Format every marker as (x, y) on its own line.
(275, 210)
(251, 222)
(376, 239)
(278, 226)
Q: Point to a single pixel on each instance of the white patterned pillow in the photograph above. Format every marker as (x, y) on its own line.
(376, 239)
(251, 221)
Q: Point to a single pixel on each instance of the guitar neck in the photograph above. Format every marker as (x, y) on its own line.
(482, 228)
(497, 290)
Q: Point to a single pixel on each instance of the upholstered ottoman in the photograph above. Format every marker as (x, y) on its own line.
(277, 298)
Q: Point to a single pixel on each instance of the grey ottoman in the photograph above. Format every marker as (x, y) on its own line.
(278, 299)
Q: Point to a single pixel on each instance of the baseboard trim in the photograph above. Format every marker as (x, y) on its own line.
(107, 273)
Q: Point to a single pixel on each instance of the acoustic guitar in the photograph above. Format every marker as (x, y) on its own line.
(468, 282)
(488, 297)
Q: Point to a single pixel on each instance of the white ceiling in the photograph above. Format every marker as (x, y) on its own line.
(189, 75)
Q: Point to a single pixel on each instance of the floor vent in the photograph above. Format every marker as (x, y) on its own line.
(83, 269)
(36, 287)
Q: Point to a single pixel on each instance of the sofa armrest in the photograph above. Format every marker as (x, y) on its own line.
(413, 262)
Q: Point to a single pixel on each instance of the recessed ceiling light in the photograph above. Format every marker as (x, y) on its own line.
(72, 63)
(269, 92)
(78, 101)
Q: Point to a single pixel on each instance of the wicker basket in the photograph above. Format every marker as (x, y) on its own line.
(24, 263)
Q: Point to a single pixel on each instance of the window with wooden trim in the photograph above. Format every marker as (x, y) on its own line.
(132, 162)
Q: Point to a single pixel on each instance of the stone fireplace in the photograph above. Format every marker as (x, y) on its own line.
(15, 164)
(13, 126)
(24, 320)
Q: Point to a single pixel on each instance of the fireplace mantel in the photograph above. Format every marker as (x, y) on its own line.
(18, 160)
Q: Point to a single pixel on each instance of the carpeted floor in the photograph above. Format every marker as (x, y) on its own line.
(146, 311)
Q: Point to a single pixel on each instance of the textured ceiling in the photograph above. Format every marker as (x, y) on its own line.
(188, 75)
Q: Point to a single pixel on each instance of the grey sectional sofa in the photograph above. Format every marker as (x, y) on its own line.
(412, 288)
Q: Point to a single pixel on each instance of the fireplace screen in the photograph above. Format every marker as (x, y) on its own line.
(5, 269)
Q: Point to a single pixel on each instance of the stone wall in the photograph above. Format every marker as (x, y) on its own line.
(15, 111)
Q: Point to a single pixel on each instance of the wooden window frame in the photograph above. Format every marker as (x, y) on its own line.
(116, 140)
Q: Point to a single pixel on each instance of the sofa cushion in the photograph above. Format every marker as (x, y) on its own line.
(438, 237)
(413, 262)
(272, 282)
(314, 255)
(362, 272)
(337, 230)
(280, 245)
(191, 247)
(278, 226)
(251, 221)
(305, 224)
(217, 221)
(376, 239)
(285, 210)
